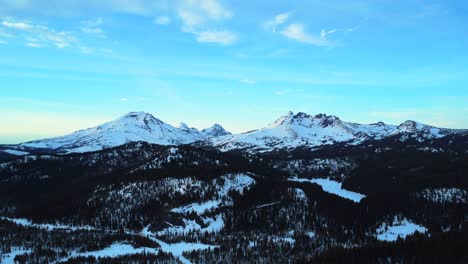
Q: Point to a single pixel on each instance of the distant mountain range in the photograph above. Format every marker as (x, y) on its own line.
(303, 130)
(287, 132)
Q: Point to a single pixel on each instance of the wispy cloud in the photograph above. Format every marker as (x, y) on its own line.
(201, 18)
(92, 26)
(197, 13)
(38, 35)
(221, 37)
(197, 17)
(324, 33)
(4, 34)
(297, 32)
(135, 99)
(33, 45)
(162, 20)
(281, 92)
(17, 25)
(276, 21)
(345, 31)
(248, 81)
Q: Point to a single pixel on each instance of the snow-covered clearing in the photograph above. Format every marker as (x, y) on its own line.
(235, 182)
(198, 208)
(213, 225)
(49, 227)
(9, 257)
(113, 251)
(176, 249)
(399, 228)
(300, 194)
(333, 187)
(120, 249)
(15, 152)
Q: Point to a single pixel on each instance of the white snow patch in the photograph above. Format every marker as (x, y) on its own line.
(236, 182)
(9, 257)
(15, 152)
(199, 208)
(333, 187)
(214, 224)
(176, 249)
(300, 194)
(398, 229)
(48, 227)
(310, 234)
(113, 251)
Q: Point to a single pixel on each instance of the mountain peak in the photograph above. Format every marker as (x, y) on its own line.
(282, 119)
(183, 126)
(216, 130)
(379, 124)
(325, 120)
(410, 126)
(137, 114)
(139, 118)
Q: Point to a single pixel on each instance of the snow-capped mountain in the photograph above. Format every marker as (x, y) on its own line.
(287, 132)
(423, 131)
(132, 127)
(215, 131)
(298, 130)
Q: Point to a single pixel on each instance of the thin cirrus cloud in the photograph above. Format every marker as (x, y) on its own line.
(220, 37)
(40, 35)
(204, 19)
(248, 81)
(92, 26)
(17, 25)
(198, 18)
(297, 32)
(276, 21)
(37, 35)
(162, 20)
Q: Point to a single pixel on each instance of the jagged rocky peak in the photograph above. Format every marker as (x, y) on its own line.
(301, 118)
(325, 120)
(301, 115)
(410, 126)
(216, 131)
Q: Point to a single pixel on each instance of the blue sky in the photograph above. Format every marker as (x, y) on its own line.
(67, 65)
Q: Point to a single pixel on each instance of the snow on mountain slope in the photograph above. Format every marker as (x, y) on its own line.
(215, 131)
(289, 131)
(135, 126)
(297, 130)
(424, 131)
